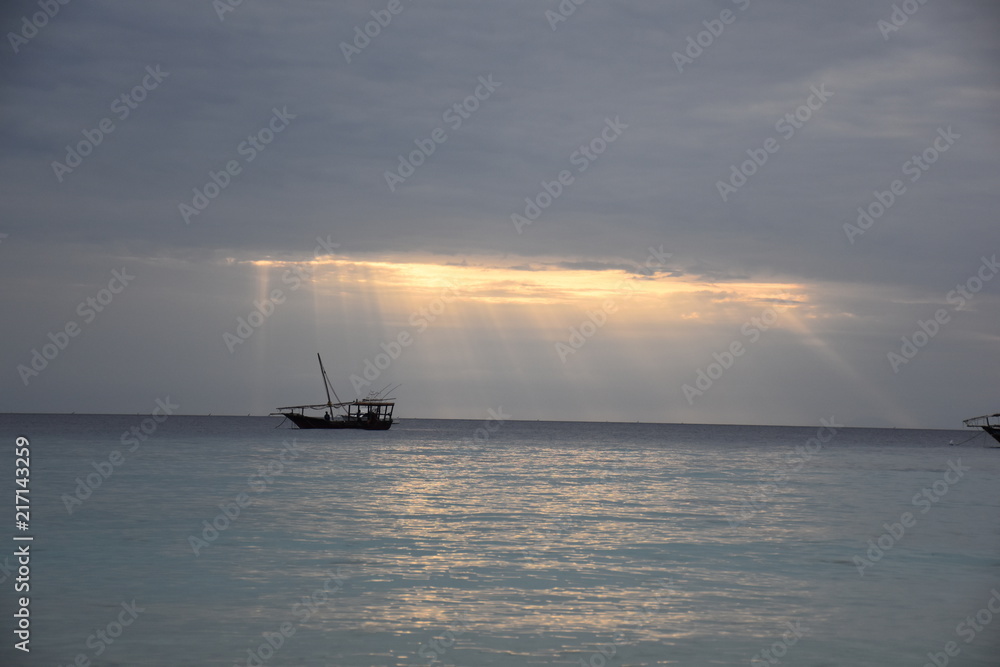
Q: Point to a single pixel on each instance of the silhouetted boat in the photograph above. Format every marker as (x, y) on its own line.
(372, 413)
(983, 422)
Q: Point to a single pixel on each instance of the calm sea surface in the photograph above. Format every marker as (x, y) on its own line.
(226, 541)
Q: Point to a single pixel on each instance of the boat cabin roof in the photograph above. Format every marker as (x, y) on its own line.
(983, 420)
(320, 406)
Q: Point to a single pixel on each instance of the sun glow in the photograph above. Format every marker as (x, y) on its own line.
(471, 325)
(538, 282)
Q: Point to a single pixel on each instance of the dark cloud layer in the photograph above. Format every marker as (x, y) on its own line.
(887, 100)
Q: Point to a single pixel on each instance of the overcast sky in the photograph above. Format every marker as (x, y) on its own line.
(628, 211)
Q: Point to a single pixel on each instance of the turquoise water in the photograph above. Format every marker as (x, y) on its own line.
(536, 543)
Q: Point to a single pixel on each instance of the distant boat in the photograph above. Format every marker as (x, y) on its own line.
(372, 413)
(984, 422)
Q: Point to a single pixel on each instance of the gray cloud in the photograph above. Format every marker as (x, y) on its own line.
(656, 184)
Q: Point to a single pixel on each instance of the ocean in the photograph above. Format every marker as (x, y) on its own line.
(227, 541)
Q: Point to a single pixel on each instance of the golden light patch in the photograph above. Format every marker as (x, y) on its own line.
(538, 282)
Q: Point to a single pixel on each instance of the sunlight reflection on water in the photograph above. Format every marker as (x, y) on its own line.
(540, 546)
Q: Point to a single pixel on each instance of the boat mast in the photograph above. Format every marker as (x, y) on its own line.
(326, 383)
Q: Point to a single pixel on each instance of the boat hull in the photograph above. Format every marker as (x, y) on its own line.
(993, 430)
(305, 421)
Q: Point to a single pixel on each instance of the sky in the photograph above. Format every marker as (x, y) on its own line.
(706, 212)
